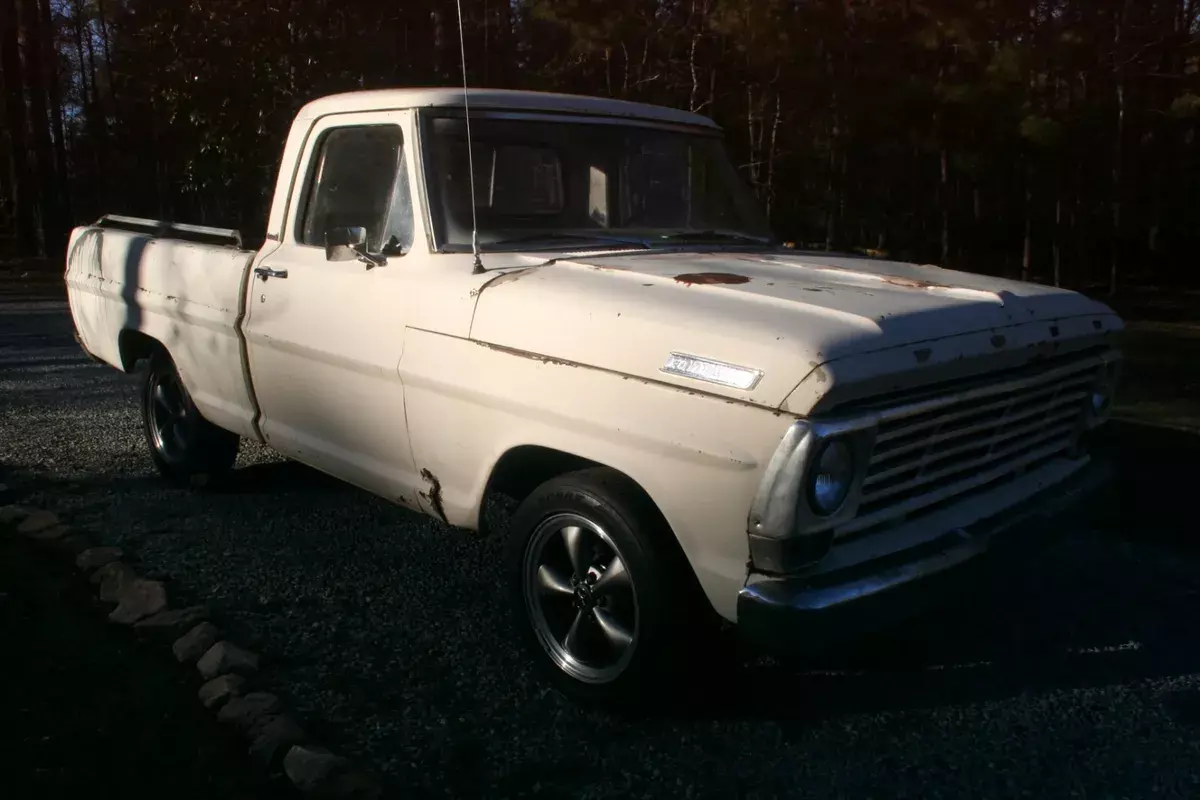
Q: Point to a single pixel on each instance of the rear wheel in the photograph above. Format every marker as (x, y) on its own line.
(596, 594)
(187, 449)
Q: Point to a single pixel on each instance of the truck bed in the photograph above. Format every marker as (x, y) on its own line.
(128, 278)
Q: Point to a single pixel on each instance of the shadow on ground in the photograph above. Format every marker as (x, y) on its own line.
(1113, 603)
(86, 709)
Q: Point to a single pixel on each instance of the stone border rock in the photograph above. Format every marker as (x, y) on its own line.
(275, 736)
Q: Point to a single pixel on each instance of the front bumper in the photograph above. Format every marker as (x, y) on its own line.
(801, 614)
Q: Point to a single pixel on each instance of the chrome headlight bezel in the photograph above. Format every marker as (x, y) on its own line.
(781, 508)
(1098, 405)
(785, 531)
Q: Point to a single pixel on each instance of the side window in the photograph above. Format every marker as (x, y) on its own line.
(360, 179)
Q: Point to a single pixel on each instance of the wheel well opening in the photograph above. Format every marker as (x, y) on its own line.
(133, 346)
(522, 469)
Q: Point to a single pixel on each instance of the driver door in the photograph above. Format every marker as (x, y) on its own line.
(324, 337)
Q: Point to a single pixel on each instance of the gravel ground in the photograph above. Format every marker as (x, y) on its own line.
(1075, 675)
(144, 729)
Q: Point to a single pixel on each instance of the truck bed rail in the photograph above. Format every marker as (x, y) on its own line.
(174, 230)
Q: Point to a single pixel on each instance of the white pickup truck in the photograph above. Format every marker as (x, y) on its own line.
(700, 425)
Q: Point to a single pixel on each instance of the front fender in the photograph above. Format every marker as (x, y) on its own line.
(698, 456)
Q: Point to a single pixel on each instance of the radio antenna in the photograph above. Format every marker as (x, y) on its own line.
(462, 47)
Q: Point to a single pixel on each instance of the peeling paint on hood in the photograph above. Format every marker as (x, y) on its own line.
(784, 313)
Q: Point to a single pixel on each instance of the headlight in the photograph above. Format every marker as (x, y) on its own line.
(830, 477)
(1101, 400)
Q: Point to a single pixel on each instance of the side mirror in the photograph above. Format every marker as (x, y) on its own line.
(350, 244)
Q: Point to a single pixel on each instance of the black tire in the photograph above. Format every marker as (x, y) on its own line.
(616, 521)
(187, 449)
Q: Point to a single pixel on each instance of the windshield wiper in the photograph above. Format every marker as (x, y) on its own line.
(714, 236)
(560, 236)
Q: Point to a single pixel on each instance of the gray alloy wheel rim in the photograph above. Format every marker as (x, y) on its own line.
(170, 421)
(580, 598)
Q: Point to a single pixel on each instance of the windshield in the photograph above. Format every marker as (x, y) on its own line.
(539, 181)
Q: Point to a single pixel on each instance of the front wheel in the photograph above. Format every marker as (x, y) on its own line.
(187, 449)
(596, 594)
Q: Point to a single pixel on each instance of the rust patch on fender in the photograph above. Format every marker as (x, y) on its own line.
(512, 351)
(710, 278)
(923, 354)
(434, 495)
(999, 341)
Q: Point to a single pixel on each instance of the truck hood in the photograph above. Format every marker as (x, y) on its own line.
(785, 313)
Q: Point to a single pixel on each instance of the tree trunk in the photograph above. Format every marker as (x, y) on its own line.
(505, 45)
(1057, 246)
(944, 199)
(832, 189)
(53, 233)
(752, 139)
(1118, 150)
(771, 157)
(93, 116)
(439, 44)
(23, 193)
(54, 86)
(1027, 250)
(91, 56)
(85, 95)
(695, 75)
(102, 16)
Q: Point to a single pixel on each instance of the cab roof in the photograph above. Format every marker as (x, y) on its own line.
(496, 99)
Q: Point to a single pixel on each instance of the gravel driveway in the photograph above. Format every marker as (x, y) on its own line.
(1077, 675)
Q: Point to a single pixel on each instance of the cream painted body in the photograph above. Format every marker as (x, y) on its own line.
(411, 380)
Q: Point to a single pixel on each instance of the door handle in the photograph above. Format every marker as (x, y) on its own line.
(267, 272)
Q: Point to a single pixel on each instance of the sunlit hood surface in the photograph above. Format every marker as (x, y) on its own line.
(785, 313)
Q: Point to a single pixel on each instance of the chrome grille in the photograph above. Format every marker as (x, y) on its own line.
(929, 451)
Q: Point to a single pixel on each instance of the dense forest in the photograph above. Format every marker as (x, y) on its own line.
(1051, 139)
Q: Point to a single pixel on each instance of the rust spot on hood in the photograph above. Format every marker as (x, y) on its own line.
(710, 278)
(911, 283)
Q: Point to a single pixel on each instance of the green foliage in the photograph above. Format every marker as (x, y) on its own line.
(1007, 65)
(1186, 106)
(842, 112)
(1041, 131)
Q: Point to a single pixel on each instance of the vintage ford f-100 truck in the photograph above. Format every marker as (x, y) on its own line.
(575, 302)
